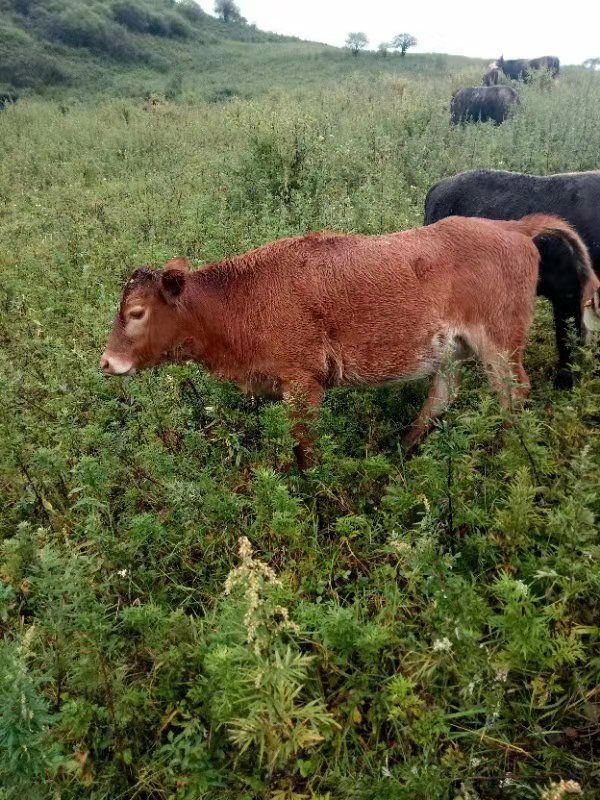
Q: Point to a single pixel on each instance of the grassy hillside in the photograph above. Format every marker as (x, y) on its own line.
(425, 629)
(74, 43)
(68, 48)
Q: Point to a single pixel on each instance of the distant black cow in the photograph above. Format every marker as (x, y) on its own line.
(521, 69)
(549, 63)
(482, 103)
(6, 99)
(511, 195)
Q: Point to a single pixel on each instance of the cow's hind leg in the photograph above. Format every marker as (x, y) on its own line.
(567, 316)
(442, 391)
(560, 284)
(506, 374)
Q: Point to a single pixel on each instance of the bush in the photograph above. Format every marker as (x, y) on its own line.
(26, 753)
(86, 28)
(177, 27)
(223, 94)
(33, 69)
(132, 15)
(139, 19)
(14, 40)
(174, 87)
(23, 7)
(80, 27)
(191, 10)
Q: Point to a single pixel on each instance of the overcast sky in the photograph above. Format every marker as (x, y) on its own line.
(517, 28)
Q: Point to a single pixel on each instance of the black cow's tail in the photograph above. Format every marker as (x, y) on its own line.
(568, 280)
(576, 266)
(536, 225)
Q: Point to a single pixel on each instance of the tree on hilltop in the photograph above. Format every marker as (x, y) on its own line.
(403, 41)
(356, 42)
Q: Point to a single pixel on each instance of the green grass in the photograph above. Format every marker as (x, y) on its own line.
(427, 629)
(231, 69)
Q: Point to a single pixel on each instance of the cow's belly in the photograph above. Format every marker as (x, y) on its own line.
(396, 360)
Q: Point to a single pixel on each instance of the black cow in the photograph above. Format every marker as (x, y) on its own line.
(522, 69)
(549, 63)
(6, 99)
(483, 103)
(511, 195)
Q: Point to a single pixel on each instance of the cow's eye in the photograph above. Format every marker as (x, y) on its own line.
(136, 313)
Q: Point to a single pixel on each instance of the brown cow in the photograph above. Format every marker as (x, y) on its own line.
(297, 316)
(492, 76)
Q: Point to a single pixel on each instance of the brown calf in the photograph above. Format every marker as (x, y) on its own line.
(297, 316)
(492, 76)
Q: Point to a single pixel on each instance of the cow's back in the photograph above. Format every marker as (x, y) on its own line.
(398, 294)
(517, 69)
(369, 308)
(496, 194)
(490, 272)
(338, 274)
(483, 103)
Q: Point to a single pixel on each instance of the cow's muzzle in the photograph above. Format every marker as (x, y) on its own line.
(111, 364)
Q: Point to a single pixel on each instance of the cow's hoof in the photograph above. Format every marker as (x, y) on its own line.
(563, 379)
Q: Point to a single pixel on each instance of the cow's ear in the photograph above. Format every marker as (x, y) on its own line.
(178, 263)
(172, 284)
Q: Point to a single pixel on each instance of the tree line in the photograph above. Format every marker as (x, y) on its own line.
(357, 41)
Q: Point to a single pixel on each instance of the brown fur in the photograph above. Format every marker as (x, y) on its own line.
(491, 77)
(300, 315)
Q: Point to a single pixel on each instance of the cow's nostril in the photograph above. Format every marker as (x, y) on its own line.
(104, 363)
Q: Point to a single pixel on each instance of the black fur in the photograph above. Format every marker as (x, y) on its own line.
(521, 69)
(511, 195)
(483, 103)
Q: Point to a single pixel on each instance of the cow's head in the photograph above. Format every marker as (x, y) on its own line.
(150, 325)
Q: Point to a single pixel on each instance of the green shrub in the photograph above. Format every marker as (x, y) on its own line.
(139, 18)
(85, 27)
(26, 751)
(191, 11)
(133, 15)
(33, 69)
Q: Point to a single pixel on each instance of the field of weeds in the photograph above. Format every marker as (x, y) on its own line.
(184, 616)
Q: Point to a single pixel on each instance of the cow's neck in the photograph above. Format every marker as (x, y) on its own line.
(216, 335)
